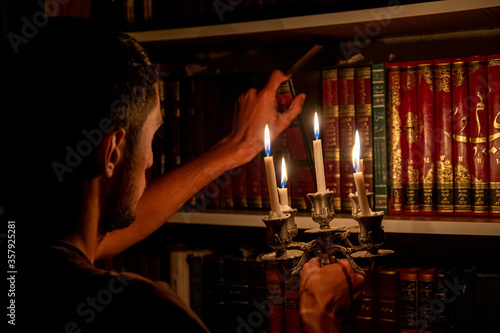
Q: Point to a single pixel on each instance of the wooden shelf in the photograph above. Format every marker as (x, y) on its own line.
(392, 224)
(420, 18)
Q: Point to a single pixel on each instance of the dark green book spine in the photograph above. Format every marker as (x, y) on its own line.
(379, 137)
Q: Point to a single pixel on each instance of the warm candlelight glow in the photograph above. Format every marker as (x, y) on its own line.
(356, 152)
(267, 141)
(316, 126)
(284, 175)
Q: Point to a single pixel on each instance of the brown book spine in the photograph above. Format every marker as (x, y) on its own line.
(461, 132)
(426, 111)
(478, 107)
(254, 182)
(346, 133)
(331, 139)
(364, 121)
(426, 299)
(444, 138)
(395, 202)
(494, 132)
(411, 139)
(366, 319)
(388, 300)
(240, 187)
(409, 292)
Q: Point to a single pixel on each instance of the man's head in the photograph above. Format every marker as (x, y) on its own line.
(85, 106)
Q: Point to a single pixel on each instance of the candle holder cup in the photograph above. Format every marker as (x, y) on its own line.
(279, 238)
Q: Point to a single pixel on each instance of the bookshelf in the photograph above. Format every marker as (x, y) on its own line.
(429, 23)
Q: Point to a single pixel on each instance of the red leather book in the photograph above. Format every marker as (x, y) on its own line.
(366, 319)
(461, 131)
(299, 170)
(494, 132)
(408, 292)
(426, 111)
(395, 206)
(363, 88)
(388, 300)
(411, 139)
(226, 197)
(331, 144)
(292, 305)
(275, 294)
(254, 182)
(426, 300)
(240, 187)
(444, 138)
(478, 108)
(346, 133)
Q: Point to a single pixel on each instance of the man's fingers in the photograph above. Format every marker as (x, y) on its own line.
(275, 80)
(295, 108)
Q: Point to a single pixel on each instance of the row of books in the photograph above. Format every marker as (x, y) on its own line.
(429, 300)
(134, 15)
(444, 130)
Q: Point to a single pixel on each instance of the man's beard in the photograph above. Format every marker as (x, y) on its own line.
(119, 209)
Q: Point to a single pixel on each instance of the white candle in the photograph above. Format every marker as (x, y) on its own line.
(271, 175)
(318, 157)
(283, 191)
(359, 179)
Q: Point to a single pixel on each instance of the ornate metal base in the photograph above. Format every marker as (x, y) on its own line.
(368, 254)
(321, 230)
(287, 255)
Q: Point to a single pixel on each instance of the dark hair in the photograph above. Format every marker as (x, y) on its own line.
(69, 86)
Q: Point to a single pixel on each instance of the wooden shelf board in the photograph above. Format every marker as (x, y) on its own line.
(420, 18)
(392, 224)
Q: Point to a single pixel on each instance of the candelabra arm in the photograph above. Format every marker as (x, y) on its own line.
(347, 253)
(345, 238)
(306, 249)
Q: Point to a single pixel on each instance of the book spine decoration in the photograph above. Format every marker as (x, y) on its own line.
(461, 131)
(444, 138)
(426, 299)
(494, 132)
(395, 200)
(379, 138)
(410, 139)
(363, 108)
(331, 144)
(408, 283)
(426, 110)
(346, 134)
(478, 149)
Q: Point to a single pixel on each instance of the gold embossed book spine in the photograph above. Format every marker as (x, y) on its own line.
(331, 139)
(461, 132)
(426, 112)
(395, 178)
(494, 132)
(478, 107)
(346, 134)
(444, 138)
(411, 139)
(364, 121)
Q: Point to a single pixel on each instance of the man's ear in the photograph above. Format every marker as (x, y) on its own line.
(112, 153)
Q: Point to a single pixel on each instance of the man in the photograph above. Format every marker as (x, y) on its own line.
(86, 101)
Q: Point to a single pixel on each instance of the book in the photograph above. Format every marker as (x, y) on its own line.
(478, 148)
(366, 319)
(331, 144)
(379, 122)
(461, 133)
(236, 290)
(275, 294)
(487, 305)
(254, 182)
(494, 132)
(346, 133)
(363, 100)
(411, 137)
(213, 293)
(179, 271)
(173, 119)
(409, 291)
(292, 304)
(426, 300)
(444, 138)
(427, 114)
(395, 179)
(388, 299)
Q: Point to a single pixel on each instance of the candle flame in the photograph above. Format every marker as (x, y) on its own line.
(267, 141)
(316, 126)
(284, 175)
(356, 152)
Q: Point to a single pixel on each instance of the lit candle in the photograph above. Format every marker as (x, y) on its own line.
(318, 157)
(283, 191)
(359, 179)
(271, 175)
